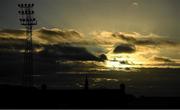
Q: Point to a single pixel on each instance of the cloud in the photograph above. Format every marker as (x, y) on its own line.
(103, 57)
(126, 62)
(57, 32)
(135, 3)
(55, 43)
(103, 41)
(163, 59)
(58, 36)
(11, 44)
(68, 52)
(139, 39)
(146, 42)
(125, 48)
(51, 43)
(156, 42)
(124, 36)
(104, 38)
(146, 45)
(12, 32)
(51, 32)
(78, 66)
(46, 36)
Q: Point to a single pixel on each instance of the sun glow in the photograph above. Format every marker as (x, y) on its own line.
(116, 64)
(124, 61)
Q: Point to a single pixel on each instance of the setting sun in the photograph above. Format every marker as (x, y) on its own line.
(115, 65)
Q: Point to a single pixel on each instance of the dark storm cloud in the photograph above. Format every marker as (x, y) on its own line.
(144, 40)
(58, 32)
(170, 42)
(72, 45)
(14, 32)
(56, 35)
(155, 42)
(60, 50)
(14, 44)
(68, 52)
(163, 59)
(124, 37)
(126, 62)
(11, 44)
(51, 33)
(125, 48)
(45, 35)
(103, 57)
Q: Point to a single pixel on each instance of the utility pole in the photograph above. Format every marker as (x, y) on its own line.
(26, 19)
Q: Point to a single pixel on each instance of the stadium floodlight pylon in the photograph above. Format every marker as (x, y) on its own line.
(26, 19)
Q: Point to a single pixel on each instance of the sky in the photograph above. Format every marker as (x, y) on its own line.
(144, 16)
(134, 41)
(122, 33)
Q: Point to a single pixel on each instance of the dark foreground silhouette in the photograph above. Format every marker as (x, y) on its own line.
(21, 97)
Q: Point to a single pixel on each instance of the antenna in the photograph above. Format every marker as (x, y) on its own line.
(26, 19)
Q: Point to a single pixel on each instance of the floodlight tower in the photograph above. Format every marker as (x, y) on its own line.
(26, 19)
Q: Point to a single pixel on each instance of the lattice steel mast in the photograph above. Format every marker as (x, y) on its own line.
(26, 19)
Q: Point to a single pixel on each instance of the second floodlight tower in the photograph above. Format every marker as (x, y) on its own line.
(27, 19)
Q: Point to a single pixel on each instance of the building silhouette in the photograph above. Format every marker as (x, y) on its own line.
(86, 84)
(123, 88)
